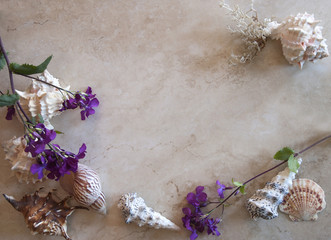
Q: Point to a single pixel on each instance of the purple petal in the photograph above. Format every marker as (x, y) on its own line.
(191, 198)
(88, 90)
(81, 152)
(37, 168)
(94, 102)
(199, 189)
(82, 115)
(202, 197)
(89, 112)
(194, 235)
(187, 211)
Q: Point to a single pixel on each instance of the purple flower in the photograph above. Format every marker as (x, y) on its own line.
(10, 112)
(221, 189)
(39, 167)
(85, 101)
(211, 226)
(199, 199)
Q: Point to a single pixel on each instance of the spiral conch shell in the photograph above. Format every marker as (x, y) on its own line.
(301, 38)
(20, 160)
(44, 215)
(135, 210)
(43, 99)
(304, 201)
(85, 186)
(265, 201)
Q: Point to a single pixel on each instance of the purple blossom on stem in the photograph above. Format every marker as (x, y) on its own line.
(84, 100)
(221, 189)
(10, 112)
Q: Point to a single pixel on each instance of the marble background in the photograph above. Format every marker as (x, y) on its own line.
(173, 113)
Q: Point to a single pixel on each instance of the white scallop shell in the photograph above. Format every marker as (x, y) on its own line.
(305, 199)
(135, 210)
(85, 186)
(265, 201)
(20, 160)
(43, 99)
(301, 38)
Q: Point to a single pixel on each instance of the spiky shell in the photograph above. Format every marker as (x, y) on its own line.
(43, 99)
(304, 200)
(20, 160)
(44, 215)
(301, 39)
(135, 210)
(85, 186)
(265, 201)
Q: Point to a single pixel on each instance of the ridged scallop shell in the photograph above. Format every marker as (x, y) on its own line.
(85, 186)
(301, 38)
(135, 210)
(43, 99)
(44, 215)
(305, 199)
(20, 160)
(265, 201)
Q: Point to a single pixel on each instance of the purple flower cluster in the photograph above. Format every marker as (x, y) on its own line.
(195, 220)
(84, 100)
(53, 159)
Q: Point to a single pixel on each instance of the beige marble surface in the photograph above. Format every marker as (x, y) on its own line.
(173, 113)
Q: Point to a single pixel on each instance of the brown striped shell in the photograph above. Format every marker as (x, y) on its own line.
(85, 186)
(44, 215)
(304, 200)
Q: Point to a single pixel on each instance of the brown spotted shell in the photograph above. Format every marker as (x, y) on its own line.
(44, 215)
(304, 200)
(85, 186)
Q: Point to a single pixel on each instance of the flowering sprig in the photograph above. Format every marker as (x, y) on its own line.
(196, 222)
(50, 157)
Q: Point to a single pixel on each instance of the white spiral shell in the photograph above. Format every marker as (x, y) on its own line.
(135, 210)
(85, 186)
(265, 201)
(20, 160)
(43, 99)
(301, 38)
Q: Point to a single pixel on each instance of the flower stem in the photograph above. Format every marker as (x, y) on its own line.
(12, 79)
(295, 155)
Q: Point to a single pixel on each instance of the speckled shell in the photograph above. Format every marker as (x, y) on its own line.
(301, 39)
(265, 201)
(20, 160)
(43, 99)
(85, 186)
(44, 215)
(304, 200)
(135, 210)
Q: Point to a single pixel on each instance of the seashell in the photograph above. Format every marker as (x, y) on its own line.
(301, 38)
(44, 215)
(85, 186)
(304, 201)
(20, 160)
(43, 99)
(135, 210)
(265, 201)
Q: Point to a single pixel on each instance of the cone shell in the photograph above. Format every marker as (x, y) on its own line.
(44, 215)
(135, 210)
(85, 186)
(301, 38)
(20, 160)
(265, 201)
(43, 99)
(304, 200)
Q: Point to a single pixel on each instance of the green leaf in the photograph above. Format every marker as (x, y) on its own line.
(41, 119)
(2, 60)
(284, 154)
(237, 184)
(242, 189)
(58, 132)
(33, 120)
(293, 164)
(8, 100)
(27, 69)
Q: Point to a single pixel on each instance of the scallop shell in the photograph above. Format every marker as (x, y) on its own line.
(135, 210)
(304, 201)
(20, 160)
(265, 201)
(85, 186)
(301, 38)
(44, 215)
(43, 99)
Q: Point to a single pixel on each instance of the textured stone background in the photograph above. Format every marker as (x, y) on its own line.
(173, 114)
